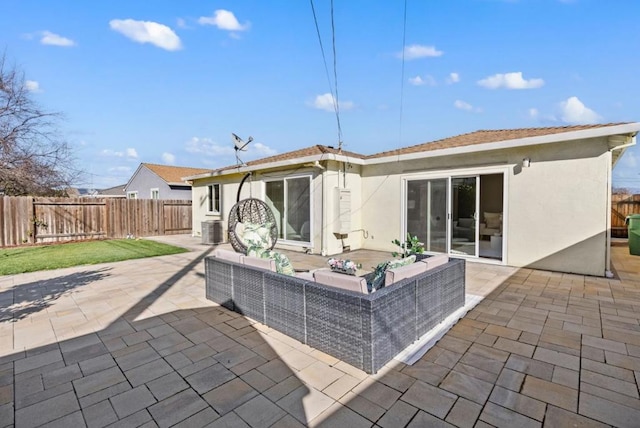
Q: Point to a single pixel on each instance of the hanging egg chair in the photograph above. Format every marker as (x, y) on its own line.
(250, 211)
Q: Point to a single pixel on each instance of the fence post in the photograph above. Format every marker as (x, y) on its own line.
(34, 223)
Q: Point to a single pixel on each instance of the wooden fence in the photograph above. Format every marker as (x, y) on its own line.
(621, 207)
(28, 220)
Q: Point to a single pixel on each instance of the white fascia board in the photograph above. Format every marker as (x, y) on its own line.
(278, 164)
(629, 128)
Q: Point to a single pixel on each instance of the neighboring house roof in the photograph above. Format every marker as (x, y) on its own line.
(466, 143)
(172, 175)
(113, 191)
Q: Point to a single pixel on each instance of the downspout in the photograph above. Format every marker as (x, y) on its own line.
(607, 262)
(323, 244)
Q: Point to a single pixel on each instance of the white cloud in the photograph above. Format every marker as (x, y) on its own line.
(510, 81)
(147, 32)
(463, 105)
(575, 112)
(419, 51)
(534, 113)
(262, 150)
(207, 146)
(129, 153)
(224, 20)
(453, 78)
(419, 81)
(326, 102)
(32, 86)
(168, 158)
(181, 23)
(53, 39)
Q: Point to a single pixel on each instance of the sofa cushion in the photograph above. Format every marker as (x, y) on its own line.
(435, 261)
(396, 274)
(268, 264)
(231, 256)
(339, 280)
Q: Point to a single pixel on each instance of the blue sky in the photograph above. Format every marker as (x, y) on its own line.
(169, 81)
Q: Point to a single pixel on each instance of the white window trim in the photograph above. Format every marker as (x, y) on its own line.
(211, 198)
(154, 190)
(132, 195)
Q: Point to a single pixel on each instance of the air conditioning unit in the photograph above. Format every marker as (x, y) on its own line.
(212, 232)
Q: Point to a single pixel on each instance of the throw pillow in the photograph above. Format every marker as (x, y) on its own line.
(283, 264)
(493, 220)
(377, 282)
(401, 262)
(257, 237)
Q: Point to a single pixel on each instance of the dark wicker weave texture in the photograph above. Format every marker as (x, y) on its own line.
(250, 210)
(364, 330)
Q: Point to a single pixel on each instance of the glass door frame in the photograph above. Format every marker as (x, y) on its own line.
(458, 173)
(476, 222)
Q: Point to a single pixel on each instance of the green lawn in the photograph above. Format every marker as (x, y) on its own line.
(31, 259)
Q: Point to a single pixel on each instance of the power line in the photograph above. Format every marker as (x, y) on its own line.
(404, 37)
(335, 77)
(334, 92)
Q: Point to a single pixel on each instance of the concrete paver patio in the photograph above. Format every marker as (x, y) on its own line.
(137, 344)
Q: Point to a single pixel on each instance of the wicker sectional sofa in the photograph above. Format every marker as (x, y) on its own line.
(364, 330)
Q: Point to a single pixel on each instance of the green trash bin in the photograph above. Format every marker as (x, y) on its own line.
(633, 227)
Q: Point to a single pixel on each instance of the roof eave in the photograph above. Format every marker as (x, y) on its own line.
(628, 128)
(278, 164)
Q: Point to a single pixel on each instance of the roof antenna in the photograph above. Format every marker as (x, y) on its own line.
(240, 146)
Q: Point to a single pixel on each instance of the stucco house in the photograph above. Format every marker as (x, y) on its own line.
(151, 181)
(538, 197)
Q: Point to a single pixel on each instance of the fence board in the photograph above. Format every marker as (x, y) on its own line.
(622, 205)
(67, 219)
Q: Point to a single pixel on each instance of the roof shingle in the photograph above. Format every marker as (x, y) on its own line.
(486, 136)
(174, 174)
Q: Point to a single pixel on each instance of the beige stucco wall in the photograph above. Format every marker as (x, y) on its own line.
(555, 212)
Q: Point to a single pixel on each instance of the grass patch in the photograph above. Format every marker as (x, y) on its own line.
(45, 257)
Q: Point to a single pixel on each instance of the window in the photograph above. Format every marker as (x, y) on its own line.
(155, 193)
(290, 201)
(132, 195)
(213, 198)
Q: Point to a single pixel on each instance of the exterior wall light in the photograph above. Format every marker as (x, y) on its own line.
(526, 163)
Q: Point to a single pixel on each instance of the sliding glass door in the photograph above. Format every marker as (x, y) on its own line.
(464, 217)
(427, 213)
(443, 214)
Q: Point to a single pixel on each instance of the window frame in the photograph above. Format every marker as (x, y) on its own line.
(132, 194)
(214, 196)
(155, 189)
